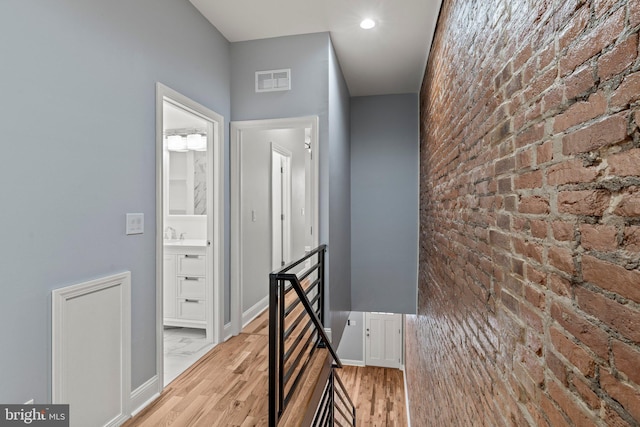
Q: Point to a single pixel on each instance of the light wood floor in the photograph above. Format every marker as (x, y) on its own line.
(378, 395)
(229, 387)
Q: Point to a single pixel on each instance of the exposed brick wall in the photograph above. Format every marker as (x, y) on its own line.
(529, 297)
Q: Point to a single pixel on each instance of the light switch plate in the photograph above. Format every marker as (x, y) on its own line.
(135, 223)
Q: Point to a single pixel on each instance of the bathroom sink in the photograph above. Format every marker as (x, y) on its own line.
(185, 242)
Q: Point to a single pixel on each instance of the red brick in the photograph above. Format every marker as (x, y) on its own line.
(538, 229)
(602, 6)
(612, 277)
(593, 42)
(577, 24)
(586, 202)
(578, 83)
(627, 92)
(584, 390)
(529, 250)
(623, 393)
(595, 338)
(609, 131)
(567, 402)
(629, 204)
(627, 360)
(598, 237)
(562, 259)
(581, 112)
(499, 239)
(570, 172)
(562, 231)
(560, 285)
(626, 163)
(620, 317)
(544, 153)
(619, 58)
(634, 13)
(524, 159)
(555, 417)
(612, 418)
(505, 165)
(631, 240)
(534, 296)
(531, 135)
(529, 180)
(533, 205)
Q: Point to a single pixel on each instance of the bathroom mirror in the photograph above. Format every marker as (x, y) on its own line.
(187, 182)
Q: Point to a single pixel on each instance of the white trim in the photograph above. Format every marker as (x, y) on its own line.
(350, 362)
(144, 395)
(59, 299)
(255, 311)
(215, 218)
(327, 332)
(236, 208)
(228, 332)
(286, 204)
(406, 397)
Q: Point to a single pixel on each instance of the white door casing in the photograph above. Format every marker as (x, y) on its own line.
(215, 216)
(237, 135)
(280, 206)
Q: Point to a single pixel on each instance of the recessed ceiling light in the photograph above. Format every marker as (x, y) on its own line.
(367, 24)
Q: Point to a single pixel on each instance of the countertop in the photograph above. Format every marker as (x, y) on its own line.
(201, 243)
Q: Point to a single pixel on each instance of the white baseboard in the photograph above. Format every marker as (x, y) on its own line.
(144, 395)
(255, 311)
(327, 332)
(349, 362)
(406, 396)
(227, 332)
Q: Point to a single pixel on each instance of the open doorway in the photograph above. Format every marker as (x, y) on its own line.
(274, 205)
(189, 232)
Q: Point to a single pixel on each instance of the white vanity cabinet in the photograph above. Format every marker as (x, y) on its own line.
(185, 291)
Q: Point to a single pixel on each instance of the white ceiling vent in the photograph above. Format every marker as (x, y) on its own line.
(273, 80)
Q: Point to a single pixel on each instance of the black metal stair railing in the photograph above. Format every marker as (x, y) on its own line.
(296, 331)
(336, 407)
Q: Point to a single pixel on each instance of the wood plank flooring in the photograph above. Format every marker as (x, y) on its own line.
(229, 387)
(378, 395)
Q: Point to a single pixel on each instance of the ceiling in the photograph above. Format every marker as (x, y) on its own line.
(389, 58)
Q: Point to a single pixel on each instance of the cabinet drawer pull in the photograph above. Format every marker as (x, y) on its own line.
(191, 300)
(192, 256)
(191, 278)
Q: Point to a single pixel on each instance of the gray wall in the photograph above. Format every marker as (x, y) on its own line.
(317, 88)
(339, 253)
(78, 152)
(256, 196)
(384, 202)
(352, 344)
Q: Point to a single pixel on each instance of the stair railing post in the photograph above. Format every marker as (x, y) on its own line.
(281, 346)
(273, 351)
(321, 255)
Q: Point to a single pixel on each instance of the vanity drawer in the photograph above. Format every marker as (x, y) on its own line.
(191, 309)
(191, 265)
(191, 287)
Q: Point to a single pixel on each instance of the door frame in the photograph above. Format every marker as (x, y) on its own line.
(285, 194)
(237, 128)
(215, 217)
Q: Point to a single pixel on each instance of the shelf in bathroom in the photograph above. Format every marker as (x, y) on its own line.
(197, 243)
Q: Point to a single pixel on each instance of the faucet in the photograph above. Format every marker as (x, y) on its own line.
(170, 233)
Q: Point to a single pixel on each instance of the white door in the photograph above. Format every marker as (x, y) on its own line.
(383, 346)
(281, 206)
